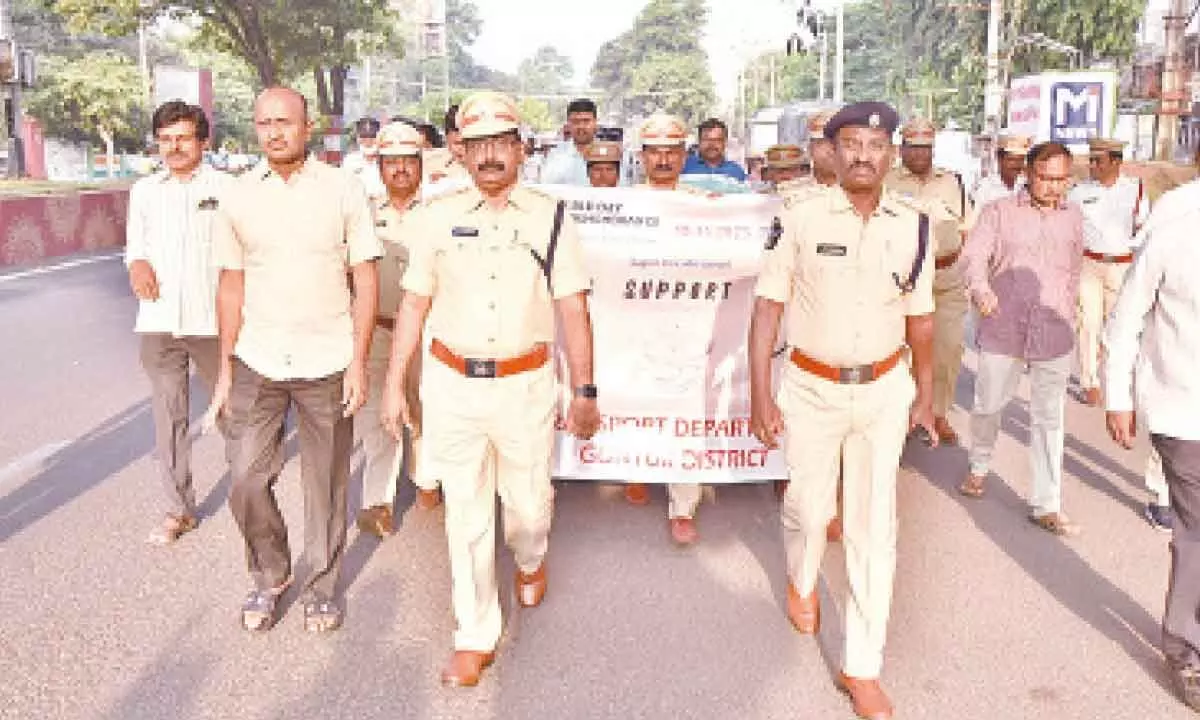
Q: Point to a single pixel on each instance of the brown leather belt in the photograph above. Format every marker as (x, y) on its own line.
(489, 368)
(1101, 257)
(386, 322)
(945, 261)
(858, 375)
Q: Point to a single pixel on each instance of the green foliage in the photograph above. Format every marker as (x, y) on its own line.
(658, 64)
(88, 98)
(546, 72)
(536, 114)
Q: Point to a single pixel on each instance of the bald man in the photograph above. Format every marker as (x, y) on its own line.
(293, 333)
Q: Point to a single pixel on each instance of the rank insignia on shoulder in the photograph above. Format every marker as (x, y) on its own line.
(459, 231)
(775, 233)
(831, 250)
(208, 203)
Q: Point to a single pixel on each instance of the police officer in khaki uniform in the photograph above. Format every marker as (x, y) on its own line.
(934, 190)
(820, 149)
(1010, 169)
(485, 270)
(293, 333)
(857, 281)
(604, 163)
(664, 152)
(400, 168)
(787, 167)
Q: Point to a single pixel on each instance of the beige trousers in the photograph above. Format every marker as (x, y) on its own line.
(484, 437)
(1099, 284)
(683, 499)
(383, 456)
(862, 428)
(949, 320)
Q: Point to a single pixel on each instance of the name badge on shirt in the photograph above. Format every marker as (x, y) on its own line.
(381, 223)
(209, 203)
(1090, 201)
(831, 250)
(459, 231)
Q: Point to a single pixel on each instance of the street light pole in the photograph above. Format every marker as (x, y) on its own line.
(993, 97)
(16, 152)
(839, 73)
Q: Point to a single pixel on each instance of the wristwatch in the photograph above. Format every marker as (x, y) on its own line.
(586, 391)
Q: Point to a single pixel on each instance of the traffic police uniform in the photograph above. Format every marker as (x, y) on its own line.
(992, 187)
(489, 388)
(845, 395)
(604, 151)
(942, 189)
(383, 455)
(1112, 217)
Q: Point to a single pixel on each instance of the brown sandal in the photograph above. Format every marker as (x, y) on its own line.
(171, 529)
(1056, 523)
(972, 487)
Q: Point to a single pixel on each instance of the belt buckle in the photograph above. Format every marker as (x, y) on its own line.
(854, 375)
(480, 368)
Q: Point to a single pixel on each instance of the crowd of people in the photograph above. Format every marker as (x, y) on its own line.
(408, 302)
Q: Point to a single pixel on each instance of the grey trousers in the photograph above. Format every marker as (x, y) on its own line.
(167, 361)
(257, 408)
(1181, 626)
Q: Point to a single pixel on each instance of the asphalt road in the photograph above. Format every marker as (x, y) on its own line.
(992, 618)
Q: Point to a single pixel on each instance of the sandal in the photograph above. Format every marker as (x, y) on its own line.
(321, 615)
(972, 487)
(171, 529)
(1056, 523)
(258, 610)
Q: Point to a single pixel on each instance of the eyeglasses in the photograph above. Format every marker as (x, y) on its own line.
(174, 139)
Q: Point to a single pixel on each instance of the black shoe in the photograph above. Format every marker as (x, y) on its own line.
(1159, 517)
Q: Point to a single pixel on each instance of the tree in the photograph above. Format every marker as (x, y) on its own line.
(797, 77)
(659, 64)
(546, 72)
(92, 99)
(536, 114)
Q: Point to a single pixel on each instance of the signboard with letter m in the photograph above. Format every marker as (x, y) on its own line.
(1076, 111)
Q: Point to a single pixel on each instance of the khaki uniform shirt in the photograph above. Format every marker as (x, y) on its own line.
(295, 240)
(679, 187)
(389, 226)
(834, 272)
(489, 292)
(942, 188)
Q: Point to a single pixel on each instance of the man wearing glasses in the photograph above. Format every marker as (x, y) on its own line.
(1022, 265)
(169, 255)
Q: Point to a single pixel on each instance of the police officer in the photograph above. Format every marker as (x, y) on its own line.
(787, 167)
(936, 190)
(1010, 169)
(664, 150)
(400, 168)
(1114, 208)
(820, 149)
(604, 163)
(856, 278)
(362, 162)
(489, 267)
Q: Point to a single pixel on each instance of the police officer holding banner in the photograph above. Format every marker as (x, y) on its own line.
(489, 268)
(854, 270)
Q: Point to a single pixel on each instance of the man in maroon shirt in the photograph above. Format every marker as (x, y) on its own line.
(1022, 265)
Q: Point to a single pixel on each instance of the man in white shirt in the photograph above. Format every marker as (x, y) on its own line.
(1010, 170)
(169, 255)
(363, 163)
(1114, 208)
(567, 164)
(1152, 341)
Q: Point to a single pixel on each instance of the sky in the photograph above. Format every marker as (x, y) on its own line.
(513, 29)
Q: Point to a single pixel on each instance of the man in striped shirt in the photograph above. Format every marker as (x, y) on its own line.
(168, 253)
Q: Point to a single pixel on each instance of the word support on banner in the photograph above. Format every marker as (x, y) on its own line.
(673, 279)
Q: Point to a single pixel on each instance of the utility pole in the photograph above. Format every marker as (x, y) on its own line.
(839, 72)
(993, 97)
(1170, 106)
(822, 75)
(11, 107)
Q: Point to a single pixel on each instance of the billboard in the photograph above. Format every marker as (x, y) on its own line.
(1065, 107)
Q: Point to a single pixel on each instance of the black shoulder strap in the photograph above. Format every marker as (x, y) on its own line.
(962, 196)
(910, 284)
(547, 264)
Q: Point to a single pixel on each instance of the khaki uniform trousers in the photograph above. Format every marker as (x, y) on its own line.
(683, 499)
(861, 428)
(383, 456)
(949, 334)
(1099, 284)
(483, 437)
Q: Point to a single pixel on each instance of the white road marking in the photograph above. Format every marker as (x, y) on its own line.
(66, 265)
(30, 461)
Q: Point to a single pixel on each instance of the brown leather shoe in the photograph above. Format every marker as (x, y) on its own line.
(945, 433)
(465, 667)
(376, 520)
(428, 499)
(781, 487)
(868, 698)
(804, 612)
(531, 588)
(683, 531)
(635, 494)
(833, 531)
(1091, 396)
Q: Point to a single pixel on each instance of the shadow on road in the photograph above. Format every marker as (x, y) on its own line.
(168, 685)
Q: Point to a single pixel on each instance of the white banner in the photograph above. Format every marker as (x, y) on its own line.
(673, 284)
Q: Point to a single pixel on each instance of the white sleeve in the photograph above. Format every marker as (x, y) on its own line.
(136, 244)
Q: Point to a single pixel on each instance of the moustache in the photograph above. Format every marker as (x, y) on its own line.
(492, 165)
(663, 167)
(862, 166)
